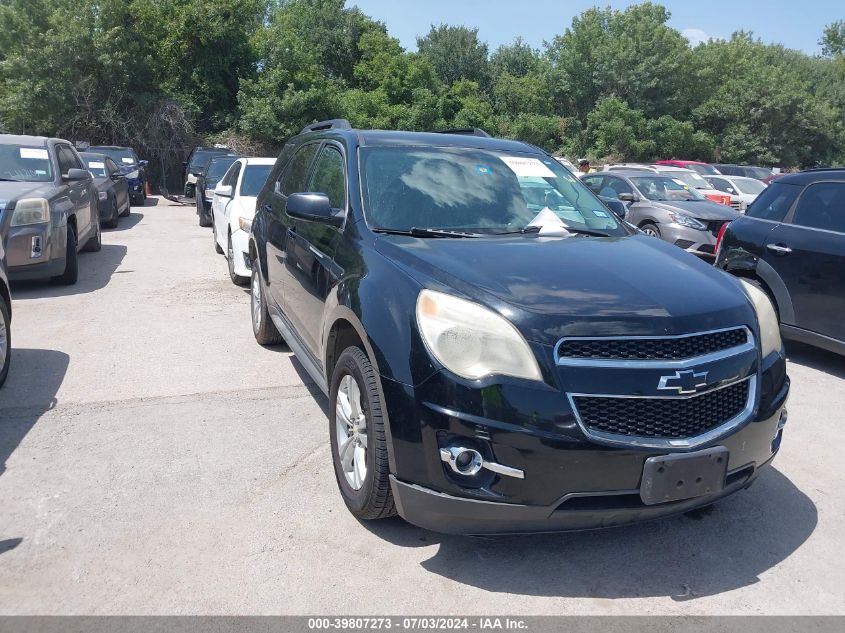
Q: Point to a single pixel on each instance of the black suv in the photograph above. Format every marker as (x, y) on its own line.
(497, 360)
(791, 243)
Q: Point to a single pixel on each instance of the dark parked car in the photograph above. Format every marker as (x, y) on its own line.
(49, 208)
(206, 182)
(663, 207)
(130, 166)
(197, 160)
(495, 368)
(112, 188)
(791, 242)
(5, 315)
(749, 171)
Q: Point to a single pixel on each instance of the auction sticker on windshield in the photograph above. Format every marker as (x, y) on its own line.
(527, 167)
(128, 161)
(97, 165)
(32, 152)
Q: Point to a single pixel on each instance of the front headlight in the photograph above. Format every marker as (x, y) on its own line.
(245, 224)
(685, 220)
(767, 317)
(31, 211)
(472, 341)
(133, 174)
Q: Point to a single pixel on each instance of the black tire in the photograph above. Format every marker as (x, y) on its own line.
(648, 226)
(204, 219)
(71, 274)
(190, 190)
(374, 498)
(95, 242)
(125, 213)
(6, 324)
(237, 279)
(263, 329)
(112, 223)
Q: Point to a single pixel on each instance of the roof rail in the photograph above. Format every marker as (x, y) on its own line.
(331, 124)
(465, 131)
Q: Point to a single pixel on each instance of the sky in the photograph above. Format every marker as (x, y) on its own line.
(797, 25)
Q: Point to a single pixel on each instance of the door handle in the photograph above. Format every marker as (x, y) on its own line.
(779, 249)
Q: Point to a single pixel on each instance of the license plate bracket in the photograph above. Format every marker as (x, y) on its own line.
(679, 476)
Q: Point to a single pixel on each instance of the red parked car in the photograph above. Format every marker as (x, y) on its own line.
(704, 169)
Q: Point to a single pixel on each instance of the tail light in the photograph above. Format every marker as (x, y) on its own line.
(719, 237)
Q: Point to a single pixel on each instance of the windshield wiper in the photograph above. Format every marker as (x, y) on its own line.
(418, 232)
(10, 180)
(536, 228)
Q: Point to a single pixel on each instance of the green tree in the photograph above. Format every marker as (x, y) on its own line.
(632, 52)
(833, 39)
(456, 54)
(617, 131)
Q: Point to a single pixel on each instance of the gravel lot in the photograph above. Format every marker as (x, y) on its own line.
(155, 460)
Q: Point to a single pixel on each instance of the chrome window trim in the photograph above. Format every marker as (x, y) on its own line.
(613, 439)
(566, 361)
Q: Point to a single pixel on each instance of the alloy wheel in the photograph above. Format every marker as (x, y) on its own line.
(650, 232)
(351, 429)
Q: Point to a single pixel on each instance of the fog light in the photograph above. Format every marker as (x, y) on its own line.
(36, 250)
(464, 461)
(778, 437)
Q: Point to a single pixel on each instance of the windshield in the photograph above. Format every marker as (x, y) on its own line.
(30, 164)
(218, 167)
(254, 178)
(691, 178)
(122, 156)
(749, 186)
(758, 172)
(96, 167)
(663, 189)
(704, 170)
(201, 158)
(475, 190)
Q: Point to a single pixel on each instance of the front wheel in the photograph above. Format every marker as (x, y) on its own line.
(651, 230)
(115, 214)
(189, 190)
(262, 326)
(95, 243)
(5, 340)
(217, 248)
(357, 435)
(237, 279)
(71, 273)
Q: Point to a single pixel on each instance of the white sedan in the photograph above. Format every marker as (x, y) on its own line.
(232, 210)
(742, 190)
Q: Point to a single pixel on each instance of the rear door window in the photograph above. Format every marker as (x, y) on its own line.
(775, 202)
(822, 206)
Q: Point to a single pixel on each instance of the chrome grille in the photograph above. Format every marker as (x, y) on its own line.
(671, 348)
(663, 417)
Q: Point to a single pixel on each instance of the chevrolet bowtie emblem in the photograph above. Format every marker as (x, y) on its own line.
(683, 381)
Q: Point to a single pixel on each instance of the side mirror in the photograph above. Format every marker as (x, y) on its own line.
(143, 163)
(617, 206)
(314, 207)
(77, 174)
(627, 197)
(224, 191)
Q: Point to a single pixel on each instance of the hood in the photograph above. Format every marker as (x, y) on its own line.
(577, 286)
(127, 169)
(10, 191)
(701, 209)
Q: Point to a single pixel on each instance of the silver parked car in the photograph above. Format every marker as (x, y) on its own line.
(742, 190)
(49, 207)
(665, 207)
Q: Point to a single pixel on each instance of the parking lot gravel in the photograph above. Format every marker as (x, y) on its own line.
(155, 460)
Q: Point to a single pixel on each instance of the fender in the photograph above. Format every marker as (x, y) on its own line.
(772, 279)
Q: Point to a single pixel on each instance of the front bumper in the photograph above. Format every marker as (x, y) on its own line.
(240, 246)
(699, 242)
(23, 245)
(570, 482)
(441, 512)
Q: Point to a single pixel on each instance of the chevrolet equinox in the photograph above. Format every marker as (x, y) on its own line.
(501, 353)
